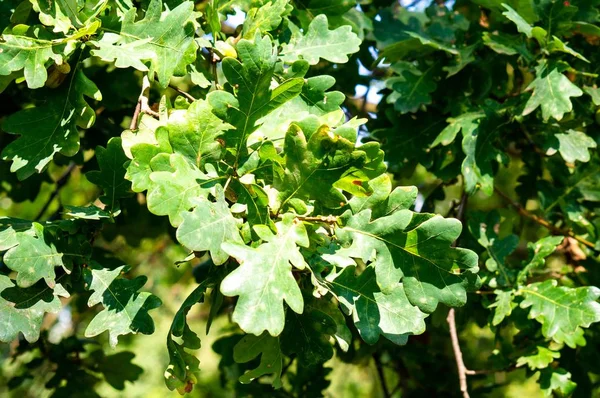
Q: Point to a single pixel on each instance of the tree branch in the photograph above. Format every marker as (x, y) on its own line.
(460, 364)
(544, 223)
(180, 91)
(381, 374)
(142, 105)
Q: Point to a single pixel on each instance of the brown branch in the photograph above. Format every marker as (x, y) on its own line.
(460, 364)
(142, 105)
(381, 374)
(544, 223)
(180, 91)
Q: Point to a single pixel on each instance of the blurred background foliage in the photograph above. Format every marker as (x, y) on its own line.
(146, 242)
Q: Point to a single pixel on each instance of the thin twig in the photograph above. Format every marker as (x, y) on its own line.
(180, 91)
(544, 223)
(325, 219)
(381, 374)
(62, 180)
(460, 364)
(142, 105)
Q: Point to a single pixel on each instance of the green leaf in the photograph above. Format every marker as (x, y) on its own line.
(313, 100)
(143, 146)
(264, 279)
(127, 55)
(320, 42)
(255, 98)
(8, 236)
(50, 128)
(209, 225)
(62, 14)
(322, 164)
(557, 45)
(562, 311)
(183, 366)
(111, 176)
(551, 91)
(271, 358)
(414, 249)
(34, 258)
(556, 380)
(307, 335)
(29, 53)
(541, 249)
(169, 36)
(523, 26)
(175, 191)
(88, 213)
(25, 315)
(416, 45)
(503, 306)
(383, 201)
(467, 122)
(538, 360)
(265, 18)
(479, 155)
(593, 92)
(194, 132)
(411, 90)
(503, 43)
(574, 145)
(125, 309)
(497, 249)
(538, 251)
(376, 313)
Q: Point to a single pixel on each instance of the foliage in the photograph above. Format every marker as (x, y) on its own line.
(247, 147)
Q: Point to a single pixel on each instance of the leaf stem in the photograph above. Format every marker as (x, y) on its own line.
(544, 223)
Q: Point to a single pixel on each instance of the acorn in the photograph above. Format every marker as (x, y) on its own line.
(57, 74)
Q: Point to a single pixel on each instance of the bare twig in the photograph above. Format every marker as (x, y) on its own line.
(62, 180)
(180, 91)
(381, 374)
(325, 219)
(460, 364)
(142, 105)
(544, 223)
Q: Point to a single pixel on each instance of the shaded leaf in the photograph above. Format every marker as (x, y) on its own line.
(50, 128)
(271, 358)
(111, 176)
(125, 309)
